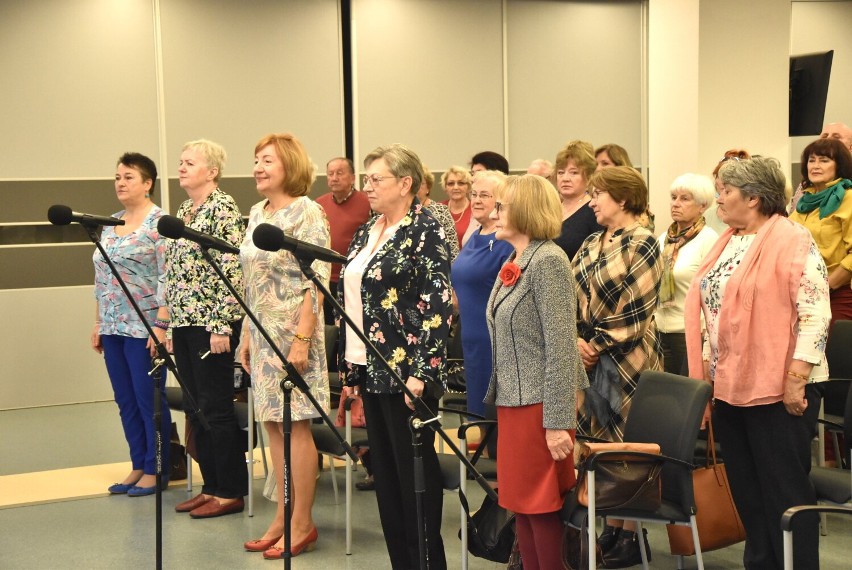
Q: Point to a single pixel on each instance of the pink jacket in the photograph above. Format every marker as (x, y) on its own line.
(757, 322)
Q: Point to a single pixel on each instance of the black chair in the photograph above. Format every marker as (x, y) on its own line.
(666, 409)
(839, 358)
(831, 484)
(787, 525)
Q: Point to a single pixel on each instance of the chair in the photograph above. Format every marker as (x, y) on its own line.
(831, 484)
(839, 359)
(787, 522)
(666, 409)
(328, 444)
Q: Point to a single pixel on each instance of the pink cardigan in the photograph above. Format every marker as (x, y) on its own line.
(758, 318)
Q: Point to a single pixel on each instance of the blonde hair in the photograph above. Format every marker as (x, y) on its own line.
(582, 153)
(299, 170)
(457, 170)
(428, 179)
(534, 208)
(213, 153)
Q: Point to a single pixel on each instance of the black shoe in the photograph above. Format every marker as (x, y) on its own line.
(608, 538)
(626, 552)
(368, 484)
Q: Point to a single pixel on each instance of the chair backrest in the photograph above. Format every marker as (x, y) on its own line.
(837, 351)
(667, 409)
(847, 420)
(332, 334)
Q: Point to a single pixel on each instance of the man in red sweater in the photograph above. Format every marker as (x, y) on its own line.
(346, 208)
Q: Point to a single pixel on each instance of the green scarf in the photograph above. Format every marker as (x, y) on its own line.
(674, 241)
(827, 200)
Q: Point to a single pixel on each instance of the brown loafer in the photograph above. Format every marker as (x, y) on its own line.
(192, 503)
(214, 508)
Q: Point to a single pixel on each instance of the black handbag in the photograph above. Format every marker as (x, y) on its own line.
(623, 481)
(490, 530)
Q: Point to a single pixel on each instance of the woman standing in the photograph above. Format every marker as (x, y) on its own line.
(138, 253)
(205, 329)
(440, 211)
(684, 246)
(710, 215)
(456, 182)
(575, 164)
(537, 370)
(395, 285)
(825, 209)
(618, 275)
(763, 291)
(473, 275)
(289, 307)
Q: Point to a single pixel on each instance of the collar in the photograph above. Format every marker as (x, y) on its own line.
(345, 198)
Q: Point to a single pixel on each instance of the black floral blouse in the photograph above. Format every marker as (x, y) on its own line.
(195, 294)
(405, 291)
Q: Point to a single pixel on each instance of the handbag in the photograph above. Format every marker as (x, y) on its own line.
(177, 457)
(357, 409)
(719, 524)
(622, 481)
(490, 530)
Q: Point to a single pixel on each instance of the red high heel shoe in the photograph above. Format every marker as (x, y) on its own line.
(307, 545)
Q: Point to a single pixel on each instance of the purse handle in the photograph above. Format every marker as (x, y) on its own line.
(711, 444)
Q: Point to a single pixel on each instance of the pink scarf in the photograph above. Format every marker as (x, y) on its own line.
(757, 321)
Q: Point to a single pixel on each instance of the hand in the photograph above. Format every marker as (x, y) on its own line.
(153, 342)
(96, 341)
(219, 343)
(794, 396)
(169, 346)
(245, 355)
(416, 386)
(588, 355)
(298, 355)
(559, 443)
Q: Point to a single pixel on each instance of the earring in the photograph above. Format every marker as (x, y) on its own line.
(147, 195)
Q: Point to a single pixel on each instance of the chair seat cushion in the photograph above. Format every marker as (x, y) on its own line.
(326, 441)
(449, 470)
(832, 484)
(668, 512)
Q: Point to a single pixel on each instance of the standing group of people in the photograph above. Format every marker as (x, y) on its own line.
(540, 264)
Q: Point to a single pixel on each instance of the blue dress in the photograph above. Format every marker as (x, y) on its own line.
(473, 275)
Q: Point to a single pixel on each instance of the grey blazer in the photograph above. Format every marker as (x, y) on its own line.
(534, 337)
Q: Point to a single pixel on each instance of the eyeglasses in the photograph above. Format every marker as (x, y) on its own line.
(374, 180)
(727, 158)
(481, 195)
(500, 206)
(594, 193)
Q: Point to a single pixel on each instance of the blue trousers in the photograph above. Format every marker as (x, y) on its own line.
(128, 363)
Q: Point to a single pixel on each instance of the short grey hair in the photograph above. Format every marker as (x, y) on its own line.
(213, 153)
(401, 161)
(760, 177)
(494, 176)
(701, 187)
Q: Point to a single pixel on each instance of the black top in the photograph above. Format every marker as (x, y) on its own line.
(576, 228)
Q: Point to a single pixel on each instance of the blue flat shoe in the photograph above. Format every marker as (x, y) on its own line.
(135, 491)
(120, 488)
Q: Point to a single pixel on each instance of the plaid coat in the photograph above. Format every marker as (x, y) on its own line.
(617, 287)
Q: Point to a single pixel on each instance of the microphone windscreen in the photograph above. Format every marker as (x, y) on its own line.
(59, 215)
(268, 237)
(171, 227)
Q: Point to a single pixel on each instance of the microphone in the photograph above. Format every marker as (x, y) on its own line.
(174, 228)
(62, 216)
(270, 238)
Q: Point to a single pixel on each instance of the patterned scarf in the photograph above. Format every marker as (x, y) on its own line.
(827, 200)
(674, 241)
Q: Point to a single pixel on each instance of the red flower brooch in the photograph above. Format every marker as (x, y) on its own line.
(509, 274)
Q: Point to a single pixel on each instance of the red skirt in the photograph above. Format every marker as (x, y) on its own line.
(530, 482)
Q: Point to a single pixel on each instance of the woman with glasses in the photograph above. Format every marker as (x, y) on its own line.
(712, 218)
(537, 372)
(473, 275)
(395, 286)
(456, 182)
(618, 273)
(575, 164)
(441, 212)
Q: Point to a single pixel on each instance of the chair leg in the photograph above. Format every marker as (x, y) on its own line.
(679, 562)
(349, 466)
(333, 479)
(188, 473)
(641, 538)
(462, 514)
(699, 557)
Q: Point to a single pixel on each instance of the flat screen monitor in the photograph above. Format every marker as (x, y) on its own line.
(809, 75)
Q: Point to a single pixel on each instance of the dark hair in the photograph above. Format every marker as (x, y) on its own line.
(617, 154)
(624, 184)
(829, 148)
(491, 161)
(141, 163)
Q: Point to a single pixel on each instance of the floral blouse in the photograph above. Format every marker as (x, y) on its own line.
(405, 289)
(195, 294)
(812, 303)
(140, 258)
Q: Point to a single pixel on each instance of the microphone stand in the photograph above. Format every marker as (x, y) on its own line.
(163, 358)
(291, 379)
(416, 424)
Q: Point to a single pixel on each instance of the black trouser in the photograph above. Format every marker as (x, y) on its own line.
(393, 471)
(768, 459)
(674, 353)
(220, 450)
(326, 304)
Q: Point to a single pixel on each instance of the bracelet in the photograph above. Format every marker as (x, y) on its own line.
(797, 375)
(303, 338)
(161, 324)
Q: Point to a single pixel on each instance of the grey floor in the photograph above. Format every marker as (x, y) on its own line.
(118, 532)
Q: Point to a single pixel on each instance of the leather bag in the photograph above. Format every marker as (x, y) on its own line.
(357, 409)
(719, 524)
(622, 481)
(490, 530)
